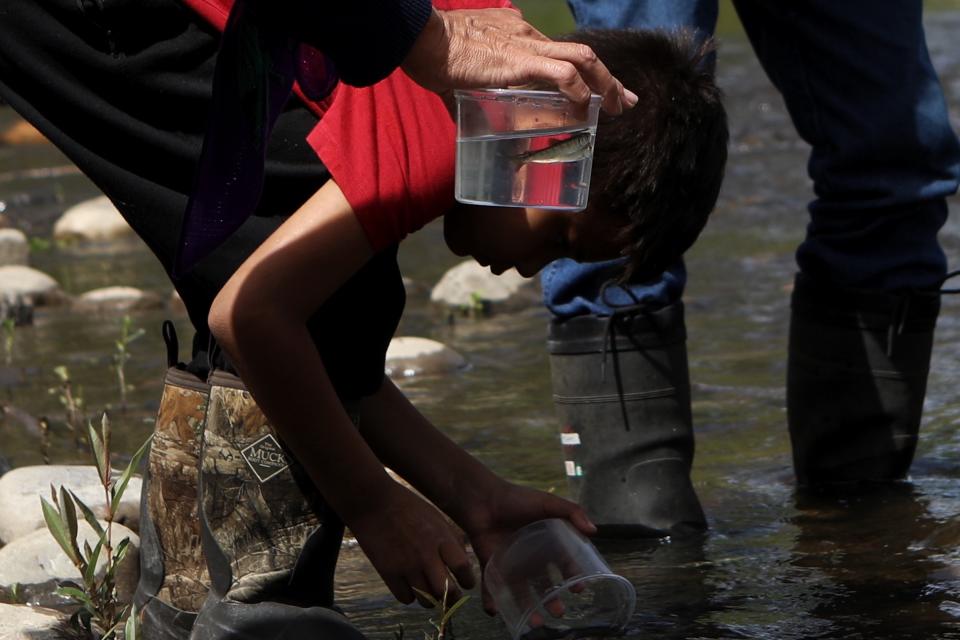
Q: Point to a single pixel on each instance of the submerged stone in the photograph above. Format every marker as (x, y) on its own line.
(95, 220)
(471, 287)
(409, 356)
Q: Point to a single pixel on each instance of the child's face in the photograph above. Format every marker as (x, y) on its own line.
(529, 239)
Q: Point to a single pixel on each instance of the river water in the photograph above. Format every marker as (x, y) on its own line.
(885, 565)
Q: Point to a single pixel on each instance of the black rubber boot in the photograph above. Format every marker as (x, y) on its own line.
(856, 379)
(622, 392)
(270, 541)
(173, 574)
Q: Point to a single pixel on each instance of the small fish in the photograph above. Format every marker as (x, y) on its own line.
(573, 148)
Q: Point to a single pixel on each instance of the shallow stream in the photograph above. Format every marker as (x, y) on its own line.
(880, 566)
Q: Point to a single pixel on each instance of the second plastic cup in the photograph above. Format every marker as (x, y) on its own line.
(549, 581)
(520, 148)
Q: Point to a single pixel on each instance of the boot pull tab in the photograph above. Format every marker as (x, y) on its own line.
(169, 334)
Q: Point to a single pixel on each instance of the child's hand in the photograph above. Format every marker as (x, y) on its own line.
(412, 546)
(510, 507)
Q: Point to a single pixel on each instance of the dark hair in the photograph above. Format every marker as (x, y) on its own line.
(660, 164)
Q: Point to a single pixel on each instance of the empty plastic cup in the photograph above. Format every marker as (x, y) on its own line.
(520, 148)
(549, 581)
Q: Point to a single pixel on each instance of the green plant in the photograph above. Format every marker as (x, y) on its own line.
(72, 401)
(100, 612)
(122, 354)
(443, 625)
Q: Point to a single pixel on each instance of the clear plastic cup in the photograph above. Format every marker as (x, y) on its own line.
(549, 581)
(520, 148)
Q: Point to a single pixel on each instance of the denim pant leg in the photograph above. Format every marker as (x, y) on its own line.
(859, 85)
(571, 288)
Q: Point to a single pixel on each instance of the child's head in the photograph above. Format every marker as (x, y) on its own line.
(657, 168)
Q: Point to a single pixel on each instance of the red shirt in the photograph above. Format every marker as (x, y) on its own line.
(390, 147)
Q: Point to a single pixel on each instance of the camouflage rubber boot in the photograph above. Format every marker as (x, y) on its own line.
(173, 574)
(622, 394)
(270, 541)
(856, 380)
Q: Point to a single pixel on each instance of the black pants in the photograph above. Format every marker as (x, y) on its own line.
(123, 88)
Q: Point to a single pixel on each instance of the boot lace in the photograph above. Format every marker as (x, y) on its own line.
(620, 318)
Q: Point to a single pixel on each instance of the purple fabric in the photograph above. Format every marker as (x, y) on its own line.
(256, 66)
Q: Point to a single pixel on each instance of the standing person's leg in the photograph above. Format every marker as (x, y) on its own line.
(861, 90)
(627, 434)
(123, 89)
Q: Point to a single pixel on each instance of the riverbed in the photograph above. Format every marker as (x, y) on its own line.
(773, 566)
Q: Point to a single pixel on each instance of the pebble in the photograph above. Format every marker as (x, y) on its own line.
(410, 356)
(118, 299)
(471, 287)
(18, 282)
(14, 247)
(95, 220)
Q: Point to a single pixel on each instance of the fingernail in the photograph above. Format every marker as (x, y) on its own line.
(630, 97)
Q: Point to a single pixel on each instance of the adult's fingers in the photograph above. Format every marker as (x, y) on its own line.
(454, 557)
(589, 68)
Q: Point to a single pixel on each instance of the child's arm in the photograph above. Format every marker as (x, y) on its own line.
(260, 320)
(484, 505)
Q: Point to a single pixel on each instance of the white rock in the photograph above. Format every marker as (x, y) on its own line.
(21, 488)
(409, 356)
(14, 248)
(118, 299)
(36, 560)
(20, 622)
(469, 284)
(95, 220)
(18, 282)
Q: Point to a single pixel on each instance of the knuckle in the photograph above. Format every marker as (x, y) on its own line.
(585, 53)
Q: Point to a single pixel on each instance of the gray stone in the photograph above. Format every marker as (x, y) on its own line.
(472, 287)
(409, 356)
(20, 622)
(14, 248)
(117, 299)
(37, 564)
(24, 283)
(95, 220)
(20, 491)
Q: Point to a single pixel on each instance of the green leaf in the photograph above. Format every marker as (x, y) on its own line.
(452, 610)
(75, 594)
(105, 430)
(426, 596)
(89, 516)
(120, 553)
(91, 571)
(55, 524)
(132, 629)
(96, 443)
(125, 478)
(68, 511)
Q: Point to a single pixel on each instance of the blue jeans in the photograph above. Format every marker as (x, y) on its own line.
(858, 84)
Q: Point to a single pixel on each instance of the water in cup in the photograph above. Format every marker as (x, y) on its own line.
(543, 168)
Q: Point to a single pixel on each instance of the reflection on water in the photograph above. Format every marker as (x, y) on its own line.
(881, 564)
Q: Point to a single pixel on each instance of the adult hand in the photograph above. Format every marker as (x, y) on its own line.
(510, 507)
(412, 546)
(496, 48)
